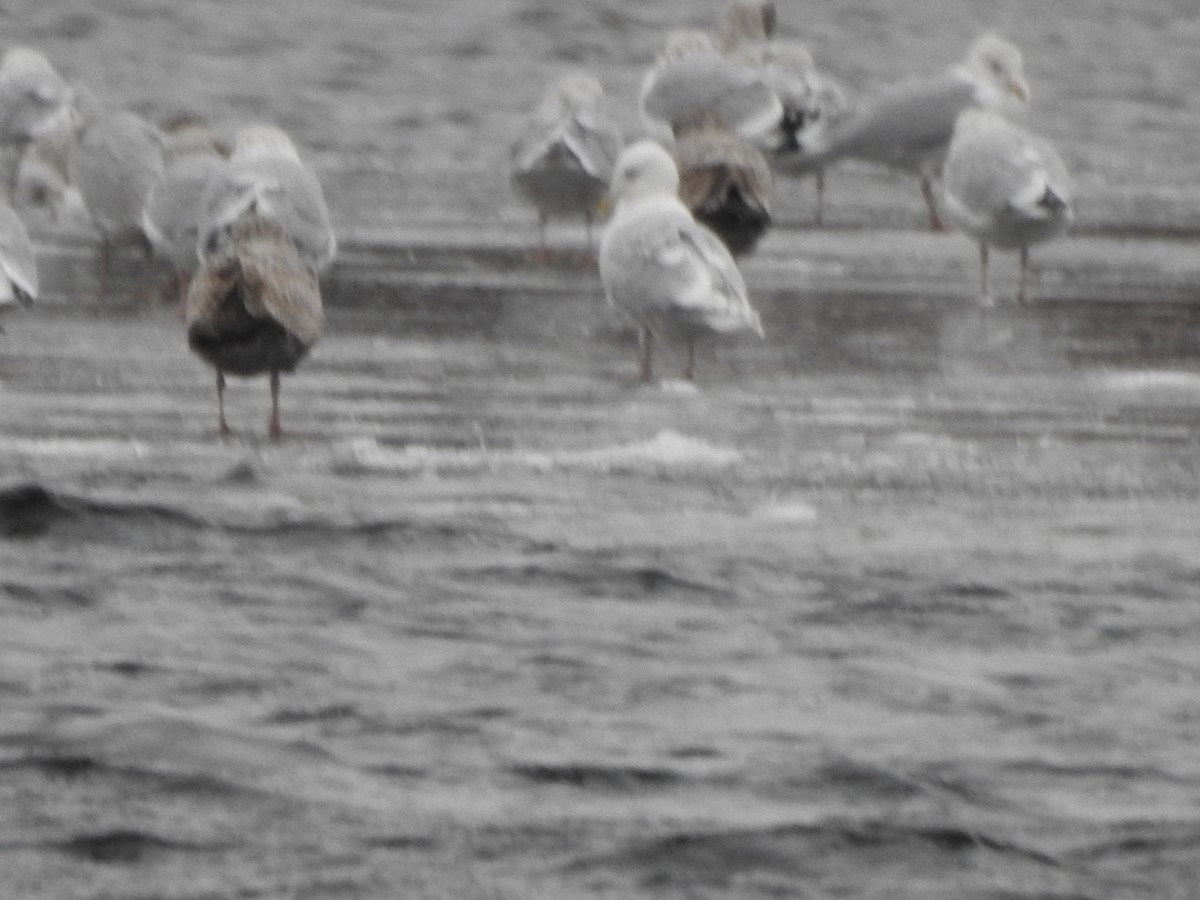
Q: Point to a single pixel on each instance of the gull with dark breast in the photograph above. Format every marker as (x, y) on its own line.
(254, 306)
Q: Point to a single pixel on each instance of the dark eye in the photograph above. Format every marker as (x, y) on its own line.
(996, 67)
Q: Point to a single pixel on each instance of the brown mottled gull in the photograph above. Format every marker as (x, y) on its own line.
(725, 182)
(254, 307)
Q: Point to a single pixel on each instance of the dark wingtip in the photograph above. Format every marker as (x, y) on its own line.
(1052, 201)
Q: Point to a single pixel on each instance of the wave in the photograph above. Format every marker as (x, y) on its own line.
(668, 452)
(828, 852)
(32, 510)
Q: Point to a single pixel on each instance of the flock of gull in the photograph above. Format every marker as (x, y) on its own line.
(245, 225)
(728, 109)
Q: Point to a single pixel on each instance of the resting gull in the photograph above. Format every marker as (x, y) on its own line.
(254, 307)
(910, 125)
(809, 97)
(671, 275)
(1005, 187)
(114, 161)
(562, 162)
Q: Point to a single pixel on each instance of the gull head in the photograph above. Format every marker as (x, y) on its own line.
(685, 43)
(35, 98)
(30, 72)
(996, 65)
(579, 90)
(644, 169)
(261, 141)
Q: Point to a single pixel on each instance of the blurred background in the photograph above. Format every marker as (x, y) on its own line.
(407, 108)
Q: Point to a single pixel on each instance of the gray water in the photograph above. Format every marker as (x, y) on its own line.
(900, 602)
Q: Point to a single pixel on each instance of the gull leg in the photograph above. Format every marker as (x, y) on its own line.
(222, 425)
(103, 268)
(182, 284)
(1021, 281)
(935, 220)
(820, 216)
(645, 368)
(689, 367)
(589, 255)
(541, 256)
(985, 298)
(274, 429)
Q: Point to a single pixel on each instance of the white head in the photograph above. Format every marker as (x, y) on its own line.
(996, 65)
(578, 90)
(684, 43)
(35, 97)
(262, 141)
(644, 169)
(30, 69)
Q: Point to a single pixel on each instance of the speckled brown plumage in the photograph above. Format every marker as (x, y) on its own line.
(726, 182)
(253, 308)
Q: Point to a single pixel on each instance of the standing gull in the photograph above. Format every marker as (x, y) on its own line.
(809, 97)
(18, 268)
(254, 306)
(667, 272)
(563, 160)
(747, 34)
(116, 158)
(1005, 187)
(909, 126)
